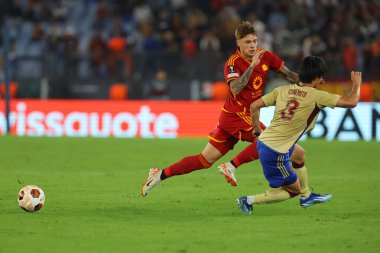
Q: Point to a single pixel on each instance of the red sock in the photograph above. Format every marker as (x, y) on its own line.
(187, 165)
(250, 153)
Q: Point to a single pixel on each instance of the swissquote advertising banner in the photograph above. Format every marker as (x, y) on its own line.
(165, 119)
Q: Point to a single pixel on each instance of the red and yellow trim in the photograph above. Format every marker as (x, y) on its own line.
(231, 62)
(232, 78)
(232, 59)
(203, 161)
(212, 138)
(244, 117)
(282, 65)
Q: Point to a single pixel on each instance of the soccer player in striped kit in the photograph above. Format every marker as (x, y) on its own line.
(296, 110)
(245, 72)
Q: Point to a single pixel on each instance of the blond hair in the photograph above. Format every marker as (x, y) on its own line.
(243, 29)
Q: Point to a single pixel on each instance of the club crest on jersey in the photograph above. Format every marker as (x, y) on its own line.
(265, 67)
(231, 69)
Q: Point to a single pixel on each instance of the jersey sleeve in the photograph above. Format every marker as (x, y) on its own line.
(276, 62)
(231, 71)
(270, 98)
(326, 99)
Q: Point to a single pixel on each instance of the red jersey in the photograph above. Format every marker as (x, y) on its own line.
(235, 66)
(235, 120)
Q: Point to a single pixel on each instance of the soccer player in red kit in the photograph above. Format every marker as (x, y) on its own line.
(246, 72)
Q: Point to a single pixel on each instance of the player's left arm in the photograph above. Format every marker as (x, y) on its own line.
(288, 75)
(351, 100)
(255, 116)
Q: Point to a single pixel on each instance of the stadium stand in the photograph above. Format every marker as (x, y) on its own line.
(73, 45)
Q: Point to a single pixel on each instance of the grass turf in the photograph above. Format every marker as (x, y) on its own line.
(93, 201)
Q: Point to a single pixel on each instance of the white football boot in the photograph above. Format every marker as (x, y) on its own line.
(228, 170)
(152, 181)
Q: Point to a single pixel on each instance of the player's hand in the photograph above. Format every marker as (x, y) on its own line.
(256, 58)
(356, 77)
(256, 132)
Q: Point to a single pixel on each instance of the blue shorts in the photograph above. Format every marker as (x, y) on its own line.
(276, 166)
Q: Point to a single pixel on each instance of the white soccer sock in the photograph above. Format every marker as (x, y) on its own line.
(250, 199)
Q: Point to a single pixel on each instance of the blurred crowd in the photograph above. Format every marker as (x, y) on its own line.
(344, 32)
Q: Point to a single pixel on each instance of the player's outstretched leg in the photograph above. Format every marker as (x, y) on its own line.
(314, 198)
(228, 170)
(153, 180)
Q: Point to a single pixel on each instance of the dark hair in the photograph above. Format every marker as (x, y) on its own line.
(311, 67)
(243, 29)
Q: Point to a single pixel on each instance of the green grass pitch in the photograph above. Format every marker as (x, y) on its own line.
(93, 201)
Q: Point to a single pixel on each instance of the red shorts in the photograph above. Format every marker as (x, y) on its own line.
(232, 127)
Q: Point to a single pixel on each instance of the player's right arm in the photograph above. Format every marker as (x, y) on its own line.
(238, 84)
(352, 99)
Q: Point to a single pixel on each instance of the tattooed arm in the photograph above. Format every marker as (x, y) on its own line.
(288, 75)
(238, 84)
